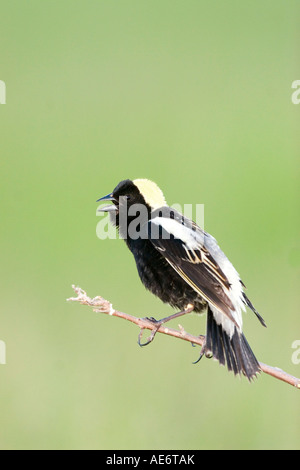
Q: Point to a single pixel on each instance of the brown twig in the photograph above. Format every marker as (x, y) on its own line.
(104, 306)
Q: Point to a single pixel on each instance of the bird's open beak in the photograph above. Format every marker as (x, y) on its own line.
(110, 207)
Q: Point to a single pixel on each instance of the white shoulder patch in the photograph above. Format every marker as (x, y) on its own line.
(152, 194)
(191, 238)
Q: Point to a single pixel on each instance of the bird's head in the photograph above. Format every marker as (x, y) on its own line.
(138, 191)
(133, 202)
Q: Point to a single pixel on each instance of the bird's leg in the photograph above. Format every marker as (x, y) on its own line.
(158, 323)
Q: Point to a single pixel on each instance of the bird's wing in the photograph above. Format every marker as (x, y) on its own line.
(183, 246)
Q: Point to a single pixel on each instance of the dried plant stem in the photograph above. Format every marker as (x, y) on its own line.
(104, 306)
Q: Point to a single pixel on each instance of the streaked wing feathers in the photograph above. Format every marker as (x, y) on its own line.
(197, 267)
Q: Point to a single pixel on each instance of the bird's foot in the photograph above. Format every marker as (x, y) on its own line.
(188, 309)
(149, 340)
(204, 351)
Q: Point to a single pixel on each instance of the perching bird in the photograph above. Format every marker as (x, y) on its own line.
(184, 266)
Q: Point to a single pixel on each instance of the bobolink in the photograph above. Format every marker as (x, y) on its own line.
(184, 266)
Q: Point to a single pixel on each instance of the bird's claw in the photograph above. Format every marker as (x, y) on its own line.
(153, 333)
(151, 319)
(204, 352)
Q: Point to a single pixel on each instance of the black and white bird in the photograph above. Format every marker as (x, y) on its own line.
(184, 266)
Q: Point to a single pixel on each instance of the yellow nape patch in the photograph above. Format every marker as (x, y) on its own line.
(152, 194)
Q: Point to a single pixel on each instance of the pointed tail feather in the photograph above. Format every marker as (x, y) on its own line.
(235, 351)
(250, 305)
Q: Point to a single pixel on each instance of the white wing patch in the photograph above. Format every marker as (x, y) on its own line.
(192, 239)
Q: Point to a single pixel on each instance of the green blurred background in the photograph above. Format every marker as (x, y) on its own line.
(196, 96)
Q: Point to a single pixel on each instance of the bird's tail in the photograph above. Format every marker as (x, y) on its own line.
(234, 351)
